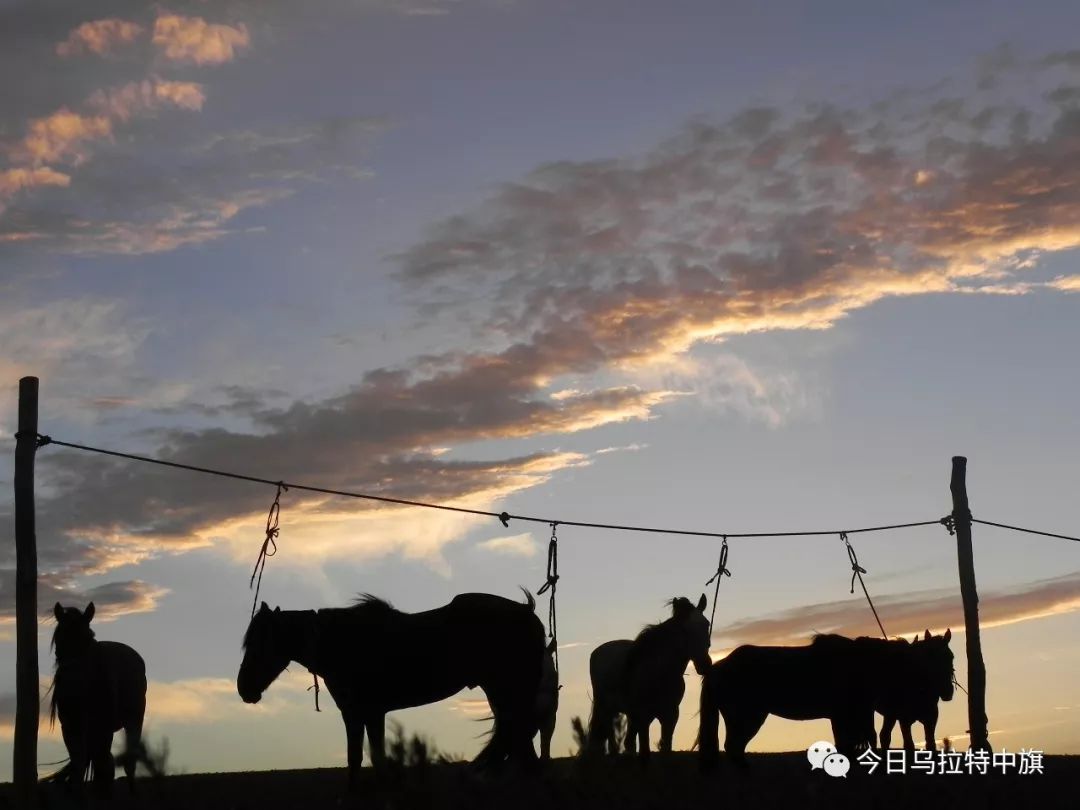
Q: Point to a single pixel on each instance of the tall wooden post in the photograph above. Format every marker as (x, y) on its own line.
(26, 612)
(977, 720)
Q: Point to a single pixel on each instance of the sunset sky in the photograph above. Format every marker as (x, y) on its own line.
(732, 267)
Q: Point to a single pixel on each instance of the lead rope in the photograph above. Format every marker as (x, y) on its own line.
(269, 546)
(550, 584)
(721, 572)
(857, 571)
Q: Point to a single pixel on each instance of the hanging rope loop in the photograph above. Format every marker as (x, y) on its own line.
(315, 686)
(721, 572)
(551, 584)
(269, 546)
(857, 571)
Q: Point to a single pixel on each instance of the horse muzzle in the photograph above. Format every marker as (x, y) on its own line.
(249, 696)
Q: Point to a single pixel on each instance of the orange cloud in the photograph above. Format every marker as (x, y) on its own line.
(1066, 283)
(100, 37)
(124, 102)
(194, 40)
(62, 136)
(905, 614)
(13, 181)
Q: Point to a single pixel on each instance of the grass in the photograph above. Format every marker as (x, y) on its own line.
(421, 777)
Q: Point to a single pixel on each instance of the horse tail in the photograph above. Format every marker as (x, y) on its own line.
(709, 719)
(530, 601)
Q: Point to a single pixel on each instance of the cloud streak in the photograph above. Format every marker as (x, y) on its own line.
(905, 614)
(196, 41)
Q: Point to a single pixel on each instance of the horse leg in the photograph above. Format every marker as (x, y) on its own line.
(133, 745)
(887, 723)
(639, 729)
(905, 731)
(104, 765)
(929, 723)
(78, 762)
(354, 735)
(667, 728)
(376, 730)
(708, 728)
(740, 730)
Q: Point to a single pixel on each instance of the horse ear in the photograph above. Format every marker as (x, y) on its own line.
(277, 609)
(57, 611)
(948, 635)
(916, 639)
(263, 608)
(927, 636)
(701, 604)
(89, 612)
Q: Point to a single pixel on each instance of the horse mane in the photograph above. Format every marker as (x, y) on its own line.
(369, 602)
(651, 633)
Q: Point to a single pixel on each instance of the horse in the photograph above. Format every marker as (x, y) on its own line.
(375, 659)
(643, 678)
(547, 701)
(834, 677)
(926, 676)
(99, 688)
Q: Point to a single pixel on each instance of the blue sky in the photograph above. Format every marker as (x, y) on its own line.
(702, 265)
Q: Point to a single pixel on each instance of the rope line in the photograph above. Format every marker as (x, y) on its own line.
(503, 517)
(857, 571)
(721, 572)
(1028, 531)
(269, 549)
(551, 584)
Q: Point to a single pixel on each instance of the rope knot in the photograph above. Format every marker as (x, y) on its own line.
(721, 572)
(550, 584)
(269, 546)
(949, 522)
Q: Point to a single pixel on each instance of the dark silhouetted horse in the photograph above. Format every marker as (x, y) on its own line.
(835, 678)
(914, 688)
(375, 659)
(643, 678)
(547, 701)
(99, 688)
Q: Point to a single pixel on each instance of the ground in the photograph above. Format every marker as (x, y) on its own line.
(773, 780)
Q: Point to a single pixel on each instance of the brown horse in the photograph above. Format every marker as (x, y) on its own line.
(924, 677)
(376, 659)
(99, 688)
(835, 678)
(643, 678)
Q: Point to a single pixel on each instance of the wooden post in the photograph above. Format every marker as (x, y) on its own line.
(26, 610)
(977, 720)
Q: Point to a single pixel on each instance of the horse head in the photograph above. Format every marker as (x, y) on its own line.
(695, 630)
(73, 634)
(935, 661)
(265, 654)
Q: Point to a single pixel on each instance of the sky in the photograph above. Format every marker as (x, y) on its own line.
(728, 267)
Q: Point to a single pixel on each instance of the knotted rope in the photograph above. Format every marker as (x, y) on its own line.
(551, 584)
(721, 572)
(857, 571)
(269, 546)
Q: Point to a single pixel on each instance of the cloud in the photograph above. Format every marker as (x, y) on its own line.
(194, 40)
(771, 219)
(906, 614)
(111, 599)
(99, 37)
(122, 103)
(61, 136)
(1066, 283)
(521, 545)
